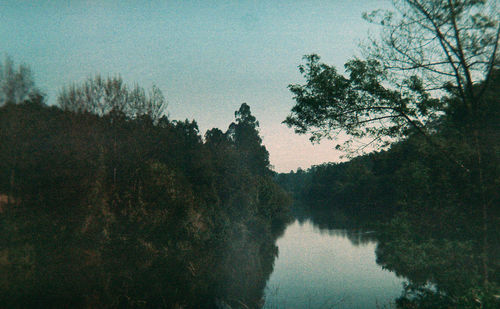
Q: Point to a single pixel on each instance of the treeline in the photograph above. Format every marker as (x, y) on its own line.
(362, 189)
(415, 176)
(103, 206)
(438, 226)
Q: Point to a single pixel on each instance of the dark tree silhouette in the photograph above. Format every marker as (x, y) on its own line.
(245, 135)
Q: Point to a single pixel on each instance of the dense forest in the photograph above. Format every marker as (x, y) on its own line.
(105, 202)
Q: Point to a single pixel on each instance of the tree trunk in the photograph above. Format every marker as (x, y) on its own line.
(10, 196)
(483, 203)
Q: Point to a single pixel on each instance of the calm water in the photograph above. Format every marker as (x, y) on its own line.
(323, 268)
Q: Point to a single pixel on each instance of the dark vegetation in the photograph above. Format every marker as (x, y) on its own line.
(424, 206)
(430, 87)
(107, 203)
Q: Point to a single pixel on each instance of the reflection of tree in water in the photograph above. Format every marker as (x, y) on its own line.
(195, 275)
(335, 223)
(443, 268)
(244, 269)
(442, 272)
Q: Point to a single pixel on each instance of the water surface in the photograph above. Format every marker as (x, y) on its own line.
(329, 268)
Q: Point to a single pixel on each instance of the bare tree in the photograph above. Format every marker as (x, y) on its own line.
(16, 84)
(152, 104)
(102, 96)
(448, 44)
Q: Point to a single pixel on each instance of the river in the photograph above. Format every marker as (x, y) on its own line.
(329, 268)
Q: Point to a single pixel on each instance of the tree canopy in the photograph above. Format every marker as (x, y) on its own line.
(428, 49)
(245, 135)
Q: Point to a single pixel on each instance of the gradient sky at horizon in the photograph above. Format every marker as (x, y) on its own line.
(207, 57)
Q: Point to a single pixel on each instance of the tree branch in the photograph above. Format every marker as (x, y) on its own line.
(443, 42)
(491, 65)
(461, 56)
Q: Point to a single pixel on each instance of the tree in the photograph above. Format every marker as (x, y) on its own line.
(426, 47)
(245, 135)
(16, 84)
(359, 105)
(103, 96)
(434, 57)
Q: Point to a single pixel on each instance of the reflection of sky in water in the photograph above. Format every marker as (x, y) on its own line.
(324, 269)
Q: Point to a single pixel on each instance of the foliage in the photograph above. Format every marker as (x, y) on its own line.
(244, 134)
(426, 208)
(431, 82)
(426, 48)
(107, 208)
(359, 105)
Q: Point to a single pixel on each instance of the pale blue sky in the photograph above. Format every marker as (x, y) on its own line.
(207, 57)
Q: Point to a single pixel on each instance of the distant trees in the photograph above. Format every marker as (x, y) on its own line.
(361, 190)
(16, 84)
(103, 96)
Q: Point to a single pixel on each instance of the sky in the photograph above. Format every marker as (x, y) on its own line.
(207, 57)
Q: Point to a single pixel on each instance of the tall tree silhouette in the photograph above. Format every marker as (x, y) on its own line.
(245, 135)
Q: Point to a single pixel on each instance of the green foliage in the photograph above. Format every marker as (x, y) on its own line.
(362, 189)
(245, 136)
